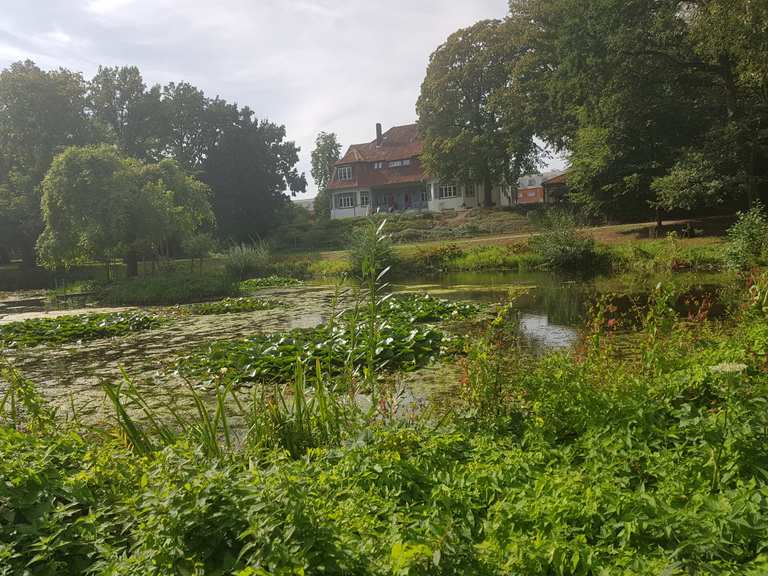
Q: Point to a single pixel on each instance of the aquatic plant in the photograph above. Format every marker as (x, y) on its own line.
(74, 328)
(402, 342)
(269, 282)
(232, 305)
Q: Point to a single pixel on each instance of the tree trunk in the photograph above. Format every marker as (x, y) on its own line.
(487, 193)
(132, 264)
(28, 256)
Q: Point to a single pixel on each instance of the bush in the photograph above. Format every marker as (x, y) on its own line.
(168, 288)
(247, 260)
(561, 246)
(747, 239)
(371, 250)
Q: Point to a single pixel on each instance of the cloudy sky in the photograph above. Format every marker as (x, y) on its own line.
(333, 65)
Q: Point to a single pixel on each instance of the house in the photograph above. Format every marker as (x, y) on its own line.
(386, 175)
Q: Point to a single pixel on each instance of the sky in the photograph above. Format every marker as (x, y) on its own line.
(311, 65)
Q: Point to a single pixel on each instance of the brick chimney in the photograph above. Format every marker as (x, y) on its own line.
(379, 138)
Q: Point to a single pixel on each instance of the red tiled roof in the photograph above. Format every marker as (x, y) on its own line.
(559, 179)
(398, 143)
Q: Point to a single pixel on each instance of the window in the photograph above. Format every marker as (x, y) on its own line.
(407, 162)
(345, 200)
(531, 181)
(378, 165)
(531, 193)
(364, 198)
(395, 163)
(471, 190)
(447, 191)
(344, 173)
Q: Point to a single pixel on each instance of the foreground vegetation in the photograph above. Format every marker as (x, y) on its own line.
(584, 462)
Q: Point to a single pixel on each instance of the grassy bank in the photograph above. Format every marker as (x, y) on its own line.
(588, 462)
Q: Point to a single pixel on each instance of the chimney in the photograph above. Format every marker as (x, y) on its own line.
(379, 139)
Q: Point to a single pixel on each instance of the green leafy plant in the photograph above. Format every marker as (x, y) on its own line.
(747, 238)
(232, 305)
(74, 328)
(561, 246)
(247, 260)
(269, 282)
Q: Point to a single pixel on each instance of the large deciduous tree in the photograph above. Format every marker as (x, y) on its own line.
(327, 151)
(41, 113)
(250, 169)
(98, 205)
(660, 103)
(135, 116)
(460, 111)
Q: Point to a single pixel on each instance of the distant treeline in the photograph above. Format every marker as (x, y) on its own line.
(246, 163)
(659, 104)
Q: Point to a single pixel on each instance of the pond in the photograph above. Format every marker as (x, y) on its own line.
(551, 311)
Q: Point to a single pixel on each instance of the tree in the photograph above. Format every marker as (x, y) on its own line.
(648, 97)
(327, 151)
(249, 170)
(98, 205)
(459, 111)
(120, 100)
(196, 123)
(40, 114)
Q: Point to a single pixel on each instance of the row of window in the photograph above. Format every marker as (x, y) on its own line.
(347, 199)
(345, 172)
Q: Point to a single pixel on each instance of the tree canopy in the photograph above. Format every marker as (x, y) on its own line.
(327, 151)
(461, 110)
(248, 163)
(98, 205)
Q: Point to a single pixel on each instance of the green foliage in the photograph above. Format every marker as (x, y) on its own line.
(562, 247)
(403, 342)
(75, 328)
(325, 154)
(747, 239)
(233, 305)
(461, 118)
(100, 205)
(247, 260)
(585, 463)
(168, 288)
(40, 113)
(269, 282)
(370, 250)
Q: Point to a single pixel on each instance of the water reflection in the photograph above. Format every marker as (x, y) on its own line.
(551, 308)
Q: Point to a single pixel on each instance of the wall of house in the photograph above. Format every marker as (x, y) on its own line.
(352, 212)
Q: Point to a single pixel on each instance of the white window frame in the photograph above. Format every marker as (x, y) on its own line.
(345, 200)
(365, 198)
(531, 193)
(344, 173)
(378, 165)
(447, 191)
(395, 163)
(407, 162)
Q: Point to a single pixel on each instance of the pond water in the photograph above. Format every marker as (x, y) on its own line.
(551, 311)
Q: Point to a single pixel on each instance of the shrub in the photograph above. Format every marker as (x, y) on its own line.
(168, 288)
(561, 246)
(247, 260)
(371, 250)
(269, 282)
(747, 238)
